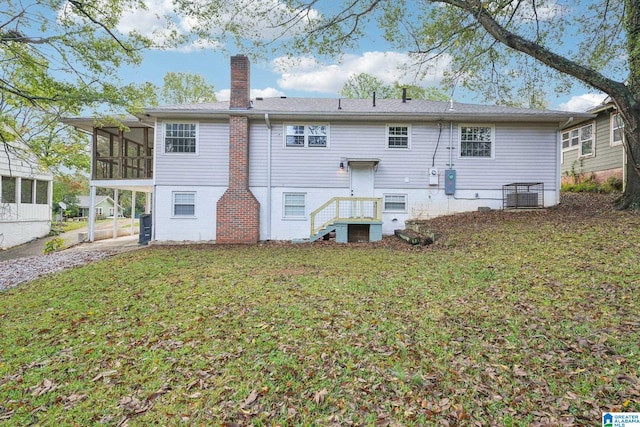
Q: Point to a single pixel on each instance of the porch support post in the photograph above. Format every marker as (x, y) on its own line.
(133, 210)
(115, 213)
(92, 212)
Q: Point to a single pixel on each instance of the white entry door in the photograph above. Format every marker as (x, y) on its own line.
(361, 186)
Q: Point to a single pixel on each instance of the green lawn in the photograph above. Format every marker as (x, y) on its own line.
(509, 319)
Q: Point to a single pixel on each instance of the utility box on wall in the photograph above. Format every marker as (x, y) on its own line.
(433, 176)
(449, 182)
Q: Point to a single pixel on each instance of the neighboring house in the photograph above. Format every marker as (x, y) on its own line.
(593, 148)
(104, 207)
(293, 168)
(25, 203)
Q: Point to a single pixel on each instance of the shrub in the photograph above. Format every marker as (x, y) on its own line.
(53, 245)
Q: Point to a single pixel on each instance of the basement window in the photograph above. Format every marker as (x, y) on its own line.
(184, 204)
(395, 202)
(294, 205)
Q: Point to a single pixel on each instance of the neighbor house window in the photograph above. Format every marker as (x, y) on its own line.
(99, 211)
(112, 211)
(398, 136)
(180, 137)
(294, 205)
(305, 135)
(476, 141)
(581, 138)
(42, 192)
(184, 204)
(617, 129)
(570, 139)
(8, 189)
(395, 202)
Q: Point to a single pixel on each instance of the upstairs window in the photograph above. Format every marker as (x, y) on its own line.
(311, 136)
(398, 136)
(180, 137)
(476, 141)
(617, 129)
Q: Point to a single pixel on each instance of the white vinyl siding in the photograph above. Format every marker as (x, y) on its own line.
(180, 137)
(306, 135)
(398, 136)
(617, 129)
(476, 141)
(209, 165)
(395, 202)
(294, 205)
(184, 204)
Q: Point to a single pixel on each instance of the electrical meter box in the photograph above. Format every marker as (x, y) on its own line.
(449, 182)
(433, 176)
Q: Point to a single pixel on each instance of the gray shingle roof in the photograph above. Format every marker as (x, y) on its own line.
(334, 108)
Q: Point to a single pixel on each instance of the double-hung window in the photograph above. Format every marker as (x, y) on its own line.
(395, 202)
(306, 135)
(180, 137)
(617, 129)
(476, 141)
(398, 136)
(294, 205)
(184, 204)
(581, 138)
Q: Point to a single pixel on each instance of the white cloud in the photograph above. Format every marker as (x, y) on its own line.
(582, 102)
(309, 75)
(269, 92)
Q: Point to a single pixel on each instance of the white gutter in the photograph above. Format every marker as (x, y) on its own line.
(268, 123)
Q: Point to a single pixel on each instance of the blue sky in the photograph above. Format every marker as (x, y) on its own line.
(306, 77)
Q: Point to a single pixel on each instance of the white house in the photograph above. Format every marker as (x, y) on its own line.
(295, 168)
(25, 203)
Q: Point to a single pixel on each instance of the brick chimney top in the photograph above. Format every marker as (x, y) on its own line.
(240, 87)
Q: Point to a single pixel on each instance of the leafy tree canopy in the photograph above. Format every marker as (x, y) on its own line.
(360, 86)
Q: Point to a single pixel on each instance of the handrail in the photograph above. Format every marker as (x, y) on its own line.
(346, 209)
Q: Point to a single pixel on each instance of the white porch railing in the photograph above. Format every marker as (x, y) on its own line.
(346, 209)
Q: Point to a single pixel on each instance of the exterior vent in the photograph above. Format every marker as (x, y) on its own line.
(523, 195)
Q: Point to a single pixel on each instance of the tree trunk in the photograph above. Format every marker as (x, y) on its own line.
(631, 195)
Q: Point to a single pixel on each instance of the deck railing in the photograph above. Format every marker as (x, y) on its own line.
(346, 209)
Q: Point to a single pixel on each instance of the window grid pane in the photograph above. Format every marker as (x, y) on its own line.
(398, 137)
(294, 205)
(180, 138)
(475, 141)
(184, 204)
(396, 202)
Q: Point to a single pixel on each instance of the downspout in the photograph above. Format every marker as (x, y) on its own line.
(451, 144)
(268, 123)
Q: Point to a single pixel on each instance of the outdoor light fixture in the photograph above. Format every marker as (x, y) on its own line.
(342, 165)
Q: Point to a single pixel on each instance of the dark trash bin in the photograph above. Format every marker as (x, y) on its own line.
(145, 229)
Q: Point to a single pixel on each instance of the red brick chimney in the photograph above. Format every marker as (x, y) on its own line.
(238, 211)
